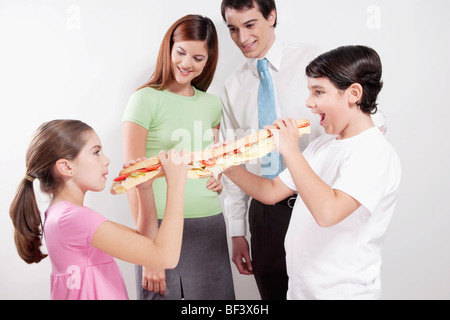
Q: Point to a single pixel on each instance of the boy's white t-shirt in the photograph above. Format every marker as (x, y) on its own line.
(344, 261)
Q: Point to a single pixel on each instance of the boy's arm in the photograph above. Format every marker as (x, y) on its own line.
(328, 206)
(262, 189)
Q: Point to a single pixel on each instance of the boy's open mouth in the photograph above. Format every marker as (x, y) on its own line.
(322, 118)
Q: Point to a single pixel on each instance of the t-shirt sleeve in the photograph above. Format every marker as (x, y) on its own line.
(286, 178)
(285, 175)
(219, 108)
(138, 109)
(77, 227)
(364, 176)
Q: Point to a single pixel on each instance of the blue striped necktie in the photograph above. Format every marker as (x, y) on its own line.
(271, 163)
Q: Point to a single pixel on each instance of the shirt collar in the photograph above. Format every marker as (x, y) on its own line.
(273, 55)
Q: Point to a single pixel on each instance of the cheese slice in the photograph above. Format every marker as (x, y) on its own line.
(199, 173)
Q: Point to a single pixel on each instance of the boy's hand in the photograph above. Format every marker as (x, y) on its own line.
(285, 132)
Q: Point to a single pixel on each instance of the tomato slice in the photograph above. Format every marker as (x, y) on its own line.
(304, 125)
(143, 170)
(152, 168)
(209, 163)
(122, 177)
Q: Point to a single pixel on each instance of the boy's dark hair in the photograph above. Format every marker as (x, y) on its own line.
(265, 7)
(347, 65)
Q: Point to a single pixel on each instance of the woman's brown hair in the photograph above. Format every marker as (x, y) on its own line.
(54, 140)
(188, 28)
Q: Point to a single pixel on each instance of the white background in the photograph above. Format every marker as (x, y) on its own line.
(82, 59)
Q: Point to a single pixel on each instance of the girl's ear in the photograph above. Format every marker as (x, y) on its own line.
(64, 168)
(355, 93)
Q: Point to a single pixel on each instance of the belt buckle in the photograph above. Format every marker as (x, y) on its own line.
(291, 202)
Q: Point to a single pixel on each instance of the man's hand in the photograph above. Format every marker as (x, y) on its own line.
(241, 255)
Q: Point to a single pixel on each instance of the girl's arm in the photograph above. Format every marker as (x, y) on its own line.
(134, 145)
(142, 203)
(262, 189)
(327, 206)
(164, 251)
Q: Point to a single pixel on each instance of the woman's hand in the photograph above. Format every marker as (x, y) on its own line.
(214, 184)
(133, 162)
(154, 280)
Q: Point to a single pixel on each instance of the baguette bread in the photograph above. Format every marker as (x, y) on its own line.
(205, 163)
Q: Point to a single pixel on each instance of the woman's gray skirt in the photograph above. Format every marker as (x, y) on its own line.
(204, 270)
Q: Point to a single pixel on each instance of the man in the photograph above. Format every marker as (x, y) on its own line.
(252, 26)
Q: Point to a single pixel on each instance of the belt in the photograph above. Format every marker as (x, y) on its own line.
(290, 201)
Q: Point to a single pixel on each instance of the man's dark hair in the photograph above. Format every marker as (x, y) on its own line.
(265, 7)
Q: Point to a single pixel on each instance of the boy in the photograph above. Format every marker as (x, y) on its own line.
(347, 182)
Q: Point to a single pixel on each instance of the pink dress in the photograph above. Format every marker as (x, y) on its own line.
(79, 271)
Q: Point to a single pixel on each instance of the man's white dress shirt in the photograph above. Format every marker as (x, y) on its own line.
(287, 63)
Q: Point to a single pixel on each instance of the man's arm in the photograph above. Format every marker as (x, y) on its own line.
(235, 200)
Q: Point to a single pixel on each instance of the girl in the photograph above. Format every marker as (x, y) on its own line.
(173, 110)
(347, 181)
(66, 157)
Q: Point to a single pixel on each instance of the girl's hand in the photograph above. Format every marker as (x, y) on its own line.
(285, 136)
(174, 166)
(214, 184)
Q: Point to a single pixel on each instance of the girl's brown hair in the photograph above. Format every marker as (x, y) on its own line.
(188, 28)
(54, 140)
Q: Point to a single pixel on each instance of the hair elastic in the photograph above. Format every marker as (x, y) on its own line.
(29, 178)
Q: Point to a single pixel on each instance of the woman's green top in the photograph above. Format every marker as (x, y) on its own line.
(178, 122)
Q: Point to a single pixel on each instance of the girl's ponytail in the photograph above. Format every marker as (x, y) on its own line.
(57, 139)
(26, 218)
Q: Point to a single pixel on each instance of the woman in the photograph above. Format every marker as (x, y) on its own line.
(171, 111)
